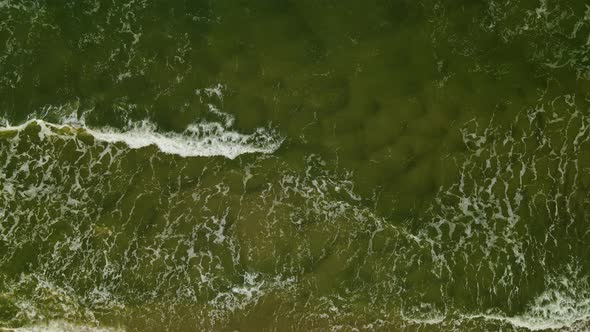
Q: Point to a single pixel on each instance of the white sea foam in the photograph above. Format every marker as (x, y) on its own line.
(532, 323)
(561, 316)
(61, 326)
(565, 304)
(552, 310)
(202, 139)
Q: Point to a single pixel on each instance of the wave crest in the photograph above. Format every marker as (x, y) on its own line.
(203, 139)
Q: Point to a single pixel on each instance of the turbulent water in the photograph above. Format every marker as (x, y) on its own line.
(280, 165)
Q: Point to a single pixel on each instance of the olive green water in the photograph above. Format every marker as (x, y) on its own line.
(279, 165)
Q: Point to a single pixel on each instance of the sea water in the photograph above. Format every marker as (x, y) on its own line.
(282, 165)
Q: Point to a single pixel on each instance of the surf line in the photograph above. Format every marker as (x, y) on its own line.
(203, 139)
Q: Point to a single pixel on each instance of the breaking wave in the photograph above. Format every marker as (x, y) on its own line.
(203, 139)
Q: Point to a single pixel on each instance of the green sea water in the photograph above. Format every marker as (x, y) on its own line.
(309, 165)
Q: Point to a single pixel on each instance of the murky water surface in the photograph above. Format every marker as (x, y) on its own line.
(302, 165)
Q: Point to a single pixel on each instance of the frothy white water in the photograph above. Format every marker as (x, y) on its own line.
(553, 310)
(564, 305)
(204, 139)
(533, 323)
(60, 326)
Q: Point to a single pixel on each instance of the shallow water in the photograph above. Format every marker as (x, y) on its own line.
(294, 165)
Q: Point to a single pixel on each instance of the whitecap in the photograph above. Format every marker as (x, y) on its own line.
(62, 326)
(202, 139)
